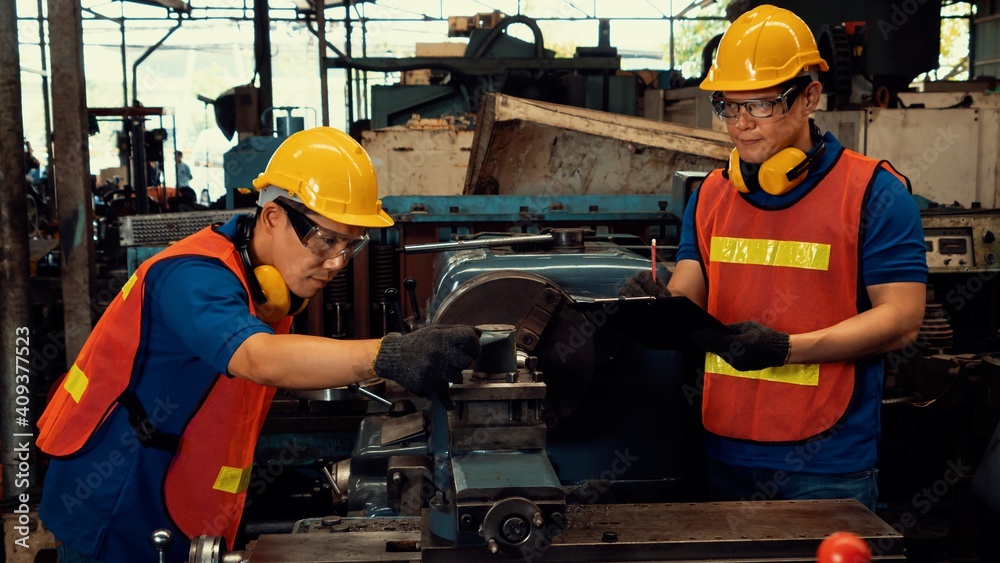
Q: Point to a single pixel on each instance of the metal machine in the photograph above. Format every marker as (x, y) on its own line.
(567, 441)
(496, 62)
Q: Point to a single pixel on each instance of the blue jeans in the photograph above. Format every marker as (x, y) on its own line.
(67, 554)
(731, 482)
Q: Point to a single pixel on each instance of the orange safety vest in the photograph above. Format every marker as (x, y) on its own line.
(206, 482)
(794, 269)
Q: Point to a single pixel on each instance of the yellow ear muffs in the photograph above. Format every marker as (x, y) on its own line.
(268, 289)
(734, 174)
(778, 174)
(278, 299)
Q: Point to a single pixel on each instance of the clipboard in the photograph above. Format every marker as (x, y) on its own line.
(662, 323)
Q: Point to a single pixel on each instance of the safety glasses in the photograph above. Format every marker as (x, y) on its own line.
(758, 109)
(322, 242)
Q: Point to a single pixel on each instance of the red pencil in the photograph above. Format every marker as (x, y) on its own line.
(653, 248)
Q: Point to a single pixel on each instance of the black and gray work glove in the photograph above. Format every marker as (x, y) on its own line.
(749, 346)
(425, 360)
(643, 285)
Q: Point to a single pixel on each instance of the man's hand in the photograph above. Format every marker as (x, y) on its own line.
(426, 360)
(643, 285)
(749, 346)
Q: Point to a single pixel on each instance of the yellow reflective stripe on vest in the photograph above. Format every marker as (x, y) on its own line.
(233, 479)
(76, 383)
(128, 286)
(764, 252)
(795, 374)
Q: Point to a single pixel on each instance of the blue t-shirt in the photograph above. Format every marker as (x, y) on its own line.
(183, 175)
(107, 499)
(892, 251)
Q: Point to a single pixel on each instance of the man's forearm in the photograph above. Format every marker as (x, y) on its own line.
(891, 324)
(296, 361)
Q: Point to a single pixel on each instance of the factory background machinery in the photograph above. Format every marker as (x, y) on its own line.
(521, 203)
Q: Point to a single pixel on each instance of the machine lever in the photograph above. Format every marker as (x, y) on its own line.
(331, 480)
(391, 296)
(161, 541)
(410, 285)
(359, 389)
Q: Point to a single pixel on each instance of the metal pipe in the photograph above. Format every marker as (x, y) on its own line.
(46, 103)
(262, 60)
(16, 409)
(121, 27)
(479, 243)
(145, 55)
(126, 125)
(137, 132)
(312, 29)
(348, 29)
(316, 305)
(324, 83)
(222, 13)
(364, 76)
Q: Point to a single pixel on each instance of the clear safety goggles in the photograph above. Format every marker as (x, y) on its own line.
(325, 243)
(758, 109)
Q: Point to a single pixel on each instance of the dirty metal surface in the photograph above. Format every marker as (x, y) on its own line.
(785, 531)
(731, 531)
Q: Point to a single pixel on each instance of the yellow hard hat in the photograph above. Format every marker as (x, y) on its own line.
(762, 48)
(330, 173)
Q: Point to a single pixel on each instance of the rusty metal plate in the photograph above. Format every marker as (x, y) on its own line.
(783, 531)
(346, 547)
(748, 532)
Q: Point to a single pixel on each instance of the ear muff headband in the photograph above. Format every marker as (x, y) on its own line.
(268, 289)
(779, 174)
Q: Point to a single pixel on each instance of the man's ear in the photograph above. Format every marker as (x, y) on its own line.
(811, 96)
(268, 218)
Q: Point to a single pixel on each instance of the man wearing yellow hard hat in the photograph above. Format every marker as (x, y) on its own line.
(155, 424)
(814, 256)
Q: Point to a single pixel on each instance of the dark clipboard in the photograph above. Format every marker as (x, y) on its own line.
(665, 323)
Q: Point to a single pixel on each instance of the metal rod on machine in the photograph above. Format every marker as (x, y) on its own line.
(357, 388)
(329, 477)
(479, 243)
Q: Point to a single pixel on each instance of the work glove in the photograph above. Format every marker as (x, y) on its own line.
(642, 285)
(425, 360)
(748, 346)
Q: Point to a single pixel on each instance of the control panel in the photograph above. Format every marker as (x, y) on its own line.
(962, 242)
(949, 248)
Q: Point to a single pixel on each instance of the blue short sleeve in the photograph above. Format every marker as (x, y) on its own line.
(893, 248)
(687, 248)
(205, 306)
